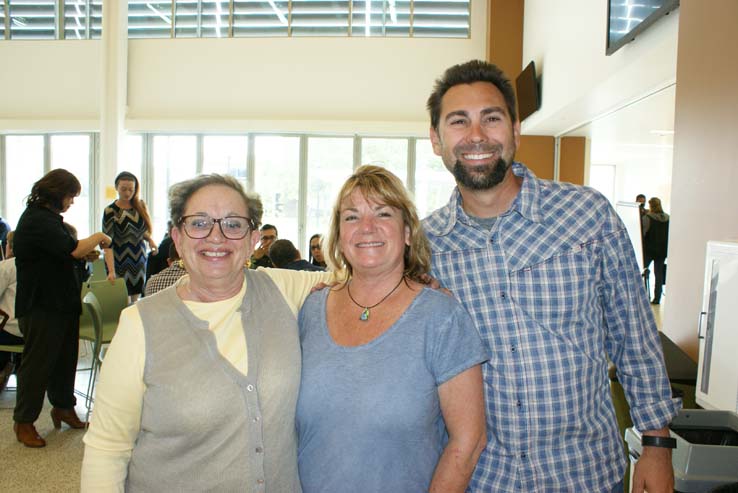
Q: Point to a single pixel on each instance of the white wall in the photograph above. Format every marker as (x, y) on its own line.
(566, 40)
(705, 173)
(49, 84)
(347, 85)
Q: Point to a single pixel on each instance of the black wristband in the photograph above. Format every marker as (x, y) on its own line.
(663, 442)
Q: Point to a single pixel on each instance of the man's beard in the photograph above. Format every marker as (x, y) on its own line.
(484, 177)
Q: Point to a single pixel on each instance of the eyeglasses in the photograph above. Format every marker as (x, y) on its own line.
(314, 247)
(199, 226)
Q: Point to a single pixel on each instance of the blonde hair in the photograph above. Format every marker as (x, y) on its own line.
(654, 205)
(380, 185)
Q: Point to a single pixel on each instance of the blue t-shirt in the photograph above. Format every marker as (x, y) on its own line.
(369, 417)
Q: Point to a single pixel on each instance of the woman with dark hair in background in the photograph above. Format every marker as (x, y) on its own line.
(316, 251)
(127, 222)
(47, 304)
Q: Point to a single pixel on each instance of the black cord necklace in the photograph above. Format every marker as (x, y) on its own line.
(365, 313)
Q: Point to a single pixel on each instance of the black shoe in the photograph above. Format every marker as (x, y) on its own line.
(655, 302)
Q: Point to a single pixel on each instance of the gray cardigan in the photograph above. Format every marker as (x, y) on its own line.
(204, 425)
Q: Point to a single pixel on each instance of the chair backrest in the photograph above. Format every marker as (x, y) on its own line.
(90, 321)
(113, 298)
(98, 270)
(9, 348)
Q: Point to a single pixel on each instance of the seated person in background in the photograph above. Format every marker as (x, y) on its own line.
(159, 260)
(316, 251)
(10, 335)
(260, 258)
(284, 255)
(168, 276)
(4, 230)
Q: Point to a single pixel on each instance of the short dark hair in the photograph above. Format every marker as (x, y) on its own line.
(269, 226)
(468, 73)
(640, 196)
(51, 190)
(282, 252)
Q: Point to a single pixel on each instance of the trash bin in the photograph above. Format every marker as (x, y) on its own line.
(707, 449)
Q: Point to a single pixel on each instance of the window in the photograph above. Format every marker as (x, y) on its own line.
(149, 19)
(329, 163)
(2, 21)
(297, 176)
(201, 18)
(24, 165)
(440, 19)
(82, 19)
(277, 181)
(319, 17)
(32, 19)
(388, 153)
(260, 17)
(174, 160)
(380, 18)
(72, 152)
(433, 182)
(226, 155)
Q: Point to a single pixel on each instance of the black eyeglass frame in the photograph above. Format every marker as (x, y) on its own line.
(251, 226)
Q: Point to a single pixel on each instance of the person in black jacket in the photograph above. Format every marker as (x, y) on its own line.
(655, 225)
(47, 304)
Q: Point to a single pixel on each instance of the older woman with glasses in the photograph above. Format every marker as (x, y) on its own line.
(199, 386)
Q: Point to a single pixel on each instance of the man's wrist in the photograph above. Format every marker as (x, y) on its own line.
(658, 441)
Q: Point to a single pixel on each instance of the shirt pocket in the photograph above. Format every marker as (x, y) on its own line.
(559, 295)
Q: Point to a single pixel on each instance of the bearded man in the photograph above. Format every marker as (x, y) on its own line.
(548, 273)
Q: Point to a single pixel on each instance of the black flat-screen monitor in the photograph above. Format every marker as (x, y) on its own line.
(626, 19)
(528, 92)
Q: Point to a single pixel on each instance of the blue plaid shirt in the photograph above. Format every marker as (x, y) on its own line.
(554, 289)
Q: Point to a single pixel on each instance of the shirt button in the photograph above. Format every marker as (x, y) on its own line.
(250, 388)
(503, 295)
(513, 348)
(259, 450)
(256, 419)
(523, 455)
(259, 481)
(518, 403)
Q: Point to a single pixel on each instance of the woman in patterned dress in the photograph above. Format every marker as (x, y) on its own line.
(128, 223)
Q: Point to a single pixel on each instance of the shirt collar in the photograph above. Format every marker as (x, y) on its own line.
(526, 203)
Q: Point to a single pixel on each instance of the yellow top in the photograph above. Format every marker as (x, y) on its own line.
(117, 416)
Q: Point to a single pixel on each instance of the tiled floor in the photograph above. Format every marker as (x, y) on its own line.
(54, 468)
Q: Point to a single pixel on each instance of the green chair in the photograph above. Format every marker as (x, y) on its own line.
(98, 270)
(90, 329)
(9, 348)
(113, 298)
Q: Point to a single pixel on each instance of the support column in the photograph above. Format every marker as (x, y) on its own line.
(113, 97)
